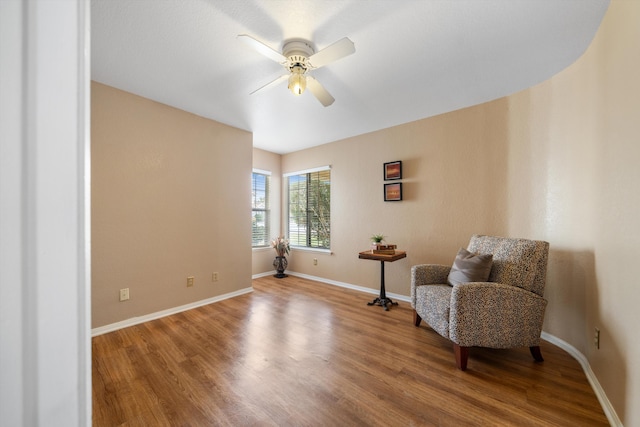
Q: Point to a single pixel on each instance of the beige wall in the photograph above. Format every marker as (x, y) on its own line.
(453, 186)
(580, 129)
(262, 260)
(170, 199)
(559, 162)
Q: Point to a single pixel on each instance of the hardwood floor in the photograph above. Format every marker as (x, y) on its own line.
(301, 353)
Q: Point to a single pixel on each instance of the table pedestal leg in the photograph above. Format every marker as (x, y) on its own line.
(382, 300)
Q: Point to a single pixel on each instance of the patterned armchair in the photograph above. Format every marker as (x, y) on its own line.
(504, 312)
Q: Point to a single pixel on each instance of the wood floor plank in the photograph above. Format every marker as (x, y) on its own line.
(296, 352)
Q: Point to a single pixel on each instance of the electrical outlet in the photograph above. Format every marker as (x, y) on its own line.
(596, 338)
(214, 277)
(315, 261)
(124, 294)
(190, 281)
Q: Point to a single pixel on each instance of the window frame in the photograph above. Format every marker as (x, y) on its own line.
(266, 209)
(308, 176)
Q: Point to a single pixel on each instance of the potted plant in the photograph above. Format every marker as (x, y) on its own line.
(376, 240)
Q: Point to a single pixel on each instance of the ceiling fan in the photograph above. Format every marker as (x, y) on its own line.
(299, 58)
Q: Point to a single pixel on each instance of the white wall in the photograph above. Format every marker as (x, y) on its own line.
(44, 256)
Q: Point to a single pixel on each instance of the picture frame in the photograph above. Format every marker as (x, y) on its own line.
(392, 170)
(393, 192)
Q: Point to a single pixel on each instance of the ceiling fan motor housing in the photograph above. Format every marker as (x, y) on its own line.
(297, 52)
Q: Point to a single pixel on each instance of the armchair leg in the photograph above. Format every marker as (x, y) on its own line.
(462, 354)
(535, 352)
(416, 318)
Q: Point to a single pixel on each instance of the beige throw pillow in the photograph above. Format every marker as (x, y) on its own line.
(470, 267)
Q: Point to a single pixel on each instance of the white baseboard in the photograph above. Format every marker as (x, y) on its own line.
(158, 314)
(611, 414)
(268, 273)
(350, 286)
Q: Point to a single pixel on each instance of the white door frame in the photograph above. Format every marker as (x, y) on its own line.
(45, 263)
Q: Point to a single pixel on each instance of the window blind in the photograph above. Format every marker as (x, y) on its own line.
(309, 205)
(260, 212)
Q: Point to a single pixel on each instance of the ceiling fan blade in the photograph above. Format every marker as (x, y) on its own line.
(263, 49)
(340, 49)
(271, 83)
(319, 91)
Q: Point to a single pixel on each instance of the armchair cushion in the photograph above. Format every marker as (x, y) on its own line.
(495, 315)
(427, 274)
(470, 267)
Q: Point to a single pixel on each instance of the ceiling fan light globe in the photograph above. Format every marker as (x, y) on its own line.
(297, 83)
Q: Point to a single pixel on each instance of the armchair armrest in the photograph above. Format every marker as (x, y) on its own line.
(427, 274)
(495, 315)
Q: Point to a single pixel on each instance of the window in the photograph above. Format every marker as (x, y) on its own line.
(260, 213)
(310, 208)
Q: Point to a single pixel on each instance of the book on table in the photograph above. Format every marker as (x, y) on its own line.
(383, 249)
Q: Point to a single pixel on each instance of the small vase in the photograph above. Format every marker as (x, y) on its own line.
(280, 264)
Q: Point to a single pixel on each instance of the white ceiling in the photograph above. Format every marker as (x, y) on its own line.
(413, 59)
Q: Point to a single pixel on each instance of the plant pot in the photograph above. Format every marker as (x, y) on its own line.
(280, 264)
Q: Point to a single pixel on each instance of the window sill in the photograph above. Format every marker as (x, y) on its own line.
(316, 250)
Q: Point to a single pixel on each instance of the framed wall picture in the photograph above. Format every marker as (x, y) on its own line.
(393, 170)
(393, 192)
